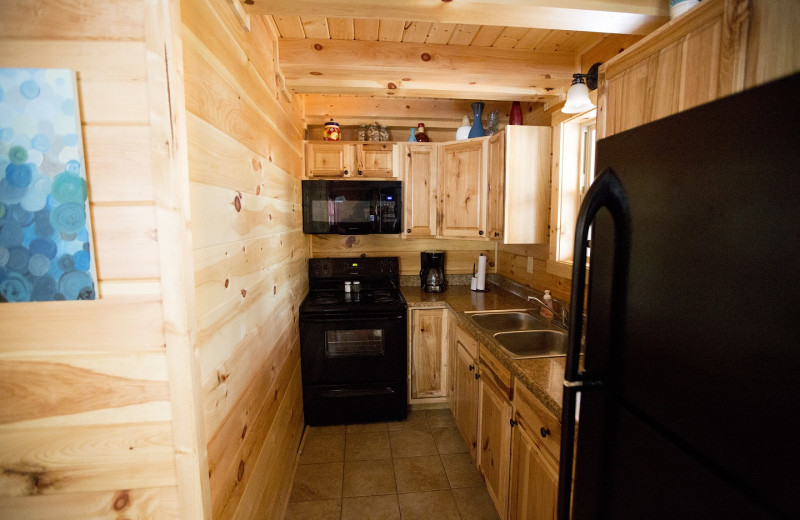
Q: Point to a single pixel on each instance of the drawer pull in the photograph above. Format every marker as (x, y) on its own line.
(544, 432)
(471, 368)
(477, 376)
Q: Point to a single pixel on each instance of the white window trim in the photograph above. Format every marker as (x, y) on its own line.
(566, 176)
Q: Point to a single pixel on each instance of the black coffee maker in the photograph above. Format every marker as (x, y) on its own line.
(431, 275)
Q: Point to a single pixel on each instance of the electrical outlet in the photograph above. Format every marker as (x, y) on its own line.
(530, 264)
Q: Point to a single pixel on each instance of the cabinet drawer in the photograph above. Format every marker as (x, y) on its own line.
(491, 367)
(470, 343)
(546, 429)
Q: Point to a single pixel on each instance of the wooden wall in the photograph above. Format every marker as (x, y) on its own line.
(459, 257)
(250, 257)
(86, 417)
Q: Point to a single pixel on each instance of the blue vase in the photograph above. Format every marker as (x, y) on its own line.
(412, 138)
(477, 129)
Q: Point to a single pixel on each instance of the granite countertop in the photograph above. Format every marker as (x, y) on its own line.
(544, 377)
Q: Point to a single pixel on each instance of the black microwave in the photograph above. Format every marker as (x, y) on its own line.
(352, 207)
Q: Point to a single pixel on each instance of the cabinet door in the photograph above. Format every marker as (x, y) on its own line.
(327, 159)
(377, 160)
(462, 188)
(533, 493)
(495, 215)
(419, 189)
(494, 442)
(527, 184)
(427, 353)
(466, 397)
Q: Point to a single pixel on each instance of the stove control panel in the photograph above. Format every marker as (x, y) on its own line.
(353, 267)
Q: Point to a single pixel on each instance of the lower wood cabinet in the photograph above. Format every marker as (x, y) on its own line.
(535, 442)
(428, 333)
(465, 401)
(533, 493)
(494, 439)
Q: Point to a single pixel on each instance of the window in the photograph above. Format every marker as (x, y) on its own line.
(574, 139)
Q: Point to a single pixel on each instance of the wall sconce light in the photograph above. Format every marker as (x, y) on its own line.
(578, 94)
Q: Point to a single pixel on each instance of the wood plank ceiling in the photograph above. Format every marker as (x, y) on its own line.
(524, 50)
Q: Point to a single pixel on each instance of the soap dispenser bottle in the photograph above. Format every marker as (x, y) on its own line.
(547, 310)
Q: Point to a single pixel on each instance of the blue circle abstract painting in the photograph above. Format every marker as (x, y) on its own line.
(46, 251)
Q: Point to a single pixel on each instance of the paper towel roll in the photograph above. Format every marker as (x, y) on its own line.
(481, 273)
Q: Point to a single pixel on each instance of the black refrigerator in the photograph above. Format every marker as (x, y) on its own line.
(687, 362)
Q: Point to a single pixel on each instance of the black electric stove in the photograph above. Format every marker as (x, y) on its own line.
(353, 343)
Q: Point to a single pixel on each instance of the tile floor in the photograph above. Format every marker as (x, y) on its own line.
(417, 469)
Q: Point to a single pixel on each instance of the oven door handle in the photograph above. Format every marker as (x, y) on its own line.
(357, 392)
(350, 318)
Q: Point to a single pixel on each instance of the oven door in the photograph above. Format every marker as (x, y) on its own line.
(347, 349)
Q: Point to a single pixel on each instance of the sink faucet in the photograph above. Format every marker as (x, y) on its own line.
(563, 315)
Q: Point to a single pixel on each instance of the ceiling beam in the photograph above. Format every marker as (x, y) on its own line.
(423, 70)
(604, 16)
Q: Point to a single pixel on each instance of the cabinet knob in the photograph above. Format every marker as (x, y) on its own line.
(471, 368)
(477, 376)
(409, 154)
(346, 173)
(513, 422)
(480, 232)
(360, 172)
(544, 432)
(496, 234)
(408, 230)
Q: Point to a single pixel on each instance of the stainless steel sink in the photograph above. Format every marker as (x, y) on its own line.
(527, 344)
(508, 321)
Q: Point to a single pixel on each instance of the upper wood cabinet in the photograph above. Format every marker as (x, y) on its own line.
(377, 160)
(525, 181)
(330, 159)
(352, 160)
(463, 189)
(718, 48)
(420, 169)
(495, 218)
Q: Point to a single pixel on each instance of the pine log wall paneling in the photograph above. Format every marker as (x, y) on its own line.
(86, 426)
(459, 257)
(250, 257)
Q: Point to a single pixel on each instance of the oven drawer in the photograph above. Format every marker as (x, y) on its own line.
(355, 403)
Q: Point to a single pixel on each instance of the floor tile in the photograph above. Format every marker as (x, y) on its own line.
(368, 477)
(317, 509)
(461, 470)
(428, 505)
(323, 448)
(440, 418)
(475, 504)
(371, 508)
(317, 482)
(412, 443)
(449, 440)
(367, 446)
(367, 427)
(416, 420)
(420, 474)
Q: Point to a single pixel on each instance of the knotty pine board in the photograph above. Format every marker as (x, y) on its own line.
(222, 215)
(223, 103)
(460, 254)
(143, 503)
(223, 271)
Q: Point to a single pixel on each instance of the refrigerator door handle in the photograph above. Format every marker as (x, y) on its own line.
(605, 192)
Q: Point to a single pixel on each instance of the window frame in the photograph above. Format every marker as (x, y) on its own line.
(568, 174)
